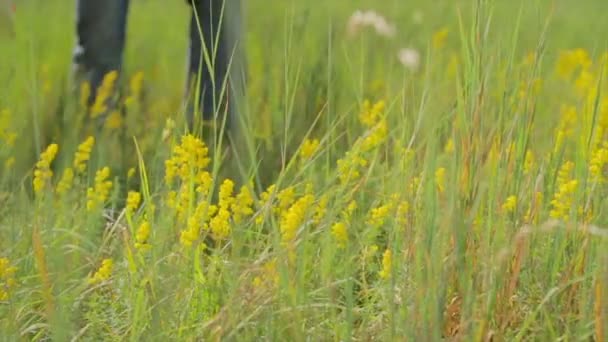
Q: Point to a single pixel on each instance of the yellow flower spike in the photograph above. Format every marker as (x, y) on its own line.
(43, 172)
(449, 146)
(83, 154)
(309, 148)
(387, 264)
(340, 233)
(99, 193)
(286, 197)
(242, 206)
(563, 200)
(189, 159)
(220, 224)
(104, 93)
(103, 273)
(114, 120)
(133, 201)
(131, 173)
(142, 236)
(321, 209)
(294, 217)
(439, 38)
(370, 115)
(598, 163)
(510, 204)
(378, 215)
(66, 182)
(7, 279)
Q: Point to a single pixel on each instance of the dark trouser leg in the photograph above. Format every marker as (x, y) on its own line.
(215, 55)
(100, 29)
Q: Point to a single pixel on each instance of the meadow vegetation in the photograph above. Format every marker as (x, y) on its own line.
(432, 170)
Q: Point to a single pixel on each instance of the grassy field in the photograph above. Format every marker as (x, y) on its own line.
(441, 177)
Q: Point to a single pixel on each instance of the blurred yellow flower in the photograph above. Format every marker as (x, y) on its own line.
(510, 204)
(142, 236)
(99, 193)
(83, 154)
(103, 273)
(340, 233)
(439, 38)
(104, 93)
(387, 264)
(309, 148)
(133, 200)
(43, 172)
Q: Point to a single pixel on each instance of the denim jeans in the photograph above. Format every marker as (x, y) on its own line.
(101, 27)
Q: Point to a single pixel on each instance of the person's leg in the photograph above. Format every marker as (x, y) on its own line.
(219, 47)
(100, 30)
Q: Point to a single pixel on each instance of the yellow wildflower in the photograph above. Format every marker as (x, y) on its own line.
(131, 173)
(564, 196)
(196, 222)
(568, 61)
(99, 193)
(286, 197)
(510, 204)
(220, 224)
(103, 273)
(294, 217)
(114, 120)
(370, 115)
(133, 200)
(387, 264)
(349, 167)
(269, 276)
(439, 38)
(65, 184)
(320, 209)
(340, 233)
(242, 206)
(375, 136)
(378, 215)
(142, 236)
(104, 93)
(7, 278)
(83, 154)
(598, 163)
(189, 159)
(309, 148)
(449, 146)
(43, 172)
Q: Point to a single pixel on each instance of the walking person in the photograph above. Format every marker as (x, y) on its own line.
(101, 31)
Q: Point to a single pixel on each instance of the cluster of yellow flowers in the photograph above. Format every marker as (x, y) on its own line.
(352, 164)
(142, 236)
(43, 172)
(99, 193)
(104, 94)
(133, 200)
(103, 273)
(187, 166)
(339, 229)
(564, 196)
(7, 278)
